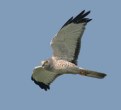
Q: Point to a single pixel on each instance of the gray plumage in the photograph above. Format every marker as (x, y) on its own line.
(66, 47)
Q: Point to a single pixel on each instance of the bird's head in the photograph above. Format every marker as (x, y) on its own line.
(45, 64)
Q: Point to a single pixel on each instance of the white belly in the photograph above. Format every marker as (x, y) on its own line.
(62, 66)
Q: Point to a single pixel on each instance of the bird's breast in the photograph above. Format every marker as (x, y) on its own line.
(62, 66)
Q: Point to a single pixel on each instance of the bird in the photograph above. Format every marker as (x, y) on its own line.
(66, 46)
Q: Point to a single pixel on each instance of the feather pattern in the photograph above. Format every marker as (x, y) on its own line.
(66, 47)
(66, 44)
(42, 77)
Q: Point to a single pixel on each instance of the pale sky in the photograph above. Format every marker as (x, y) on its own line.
(26, 29)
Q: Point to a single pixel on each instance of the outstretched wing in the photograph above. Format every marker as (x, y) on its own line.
(42, 77)
(66, 44)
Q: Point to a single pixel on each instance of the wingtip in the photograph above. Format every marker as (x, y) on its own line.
(82, 12)
(41, 84)
(80, 18)
(89, 11)
(88, 20)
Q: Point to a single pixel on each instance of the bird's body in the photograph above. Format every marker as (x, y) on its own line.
(66, 47)
(62, 66)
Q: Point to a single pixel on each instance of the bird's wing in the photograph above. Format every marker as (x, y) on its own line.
(66, 44)
(42, 77)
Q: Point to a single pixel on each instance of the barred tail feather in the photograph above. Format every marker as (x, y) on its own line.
(91, 73)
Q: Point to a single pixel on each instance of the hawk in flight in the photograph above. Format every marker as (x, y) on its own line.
(66, 46)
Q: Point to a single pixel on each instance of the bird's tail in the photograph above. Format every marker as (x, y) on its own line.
(91, 73)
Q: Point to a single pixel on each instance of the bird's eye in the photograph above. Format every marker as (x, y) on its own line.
(44, 63)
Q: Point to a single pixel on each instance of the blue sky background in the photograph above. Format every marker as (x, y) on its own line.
(26, 28)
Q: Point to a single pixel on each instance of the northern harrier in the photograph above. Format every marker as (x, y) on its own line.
(66, 47)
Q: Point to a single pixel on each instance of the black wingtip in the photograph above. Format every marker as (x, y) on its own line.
(41, 84)
(89, 20)
(82, 12)
(85, 14)
(86, 20)
(80, 18)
